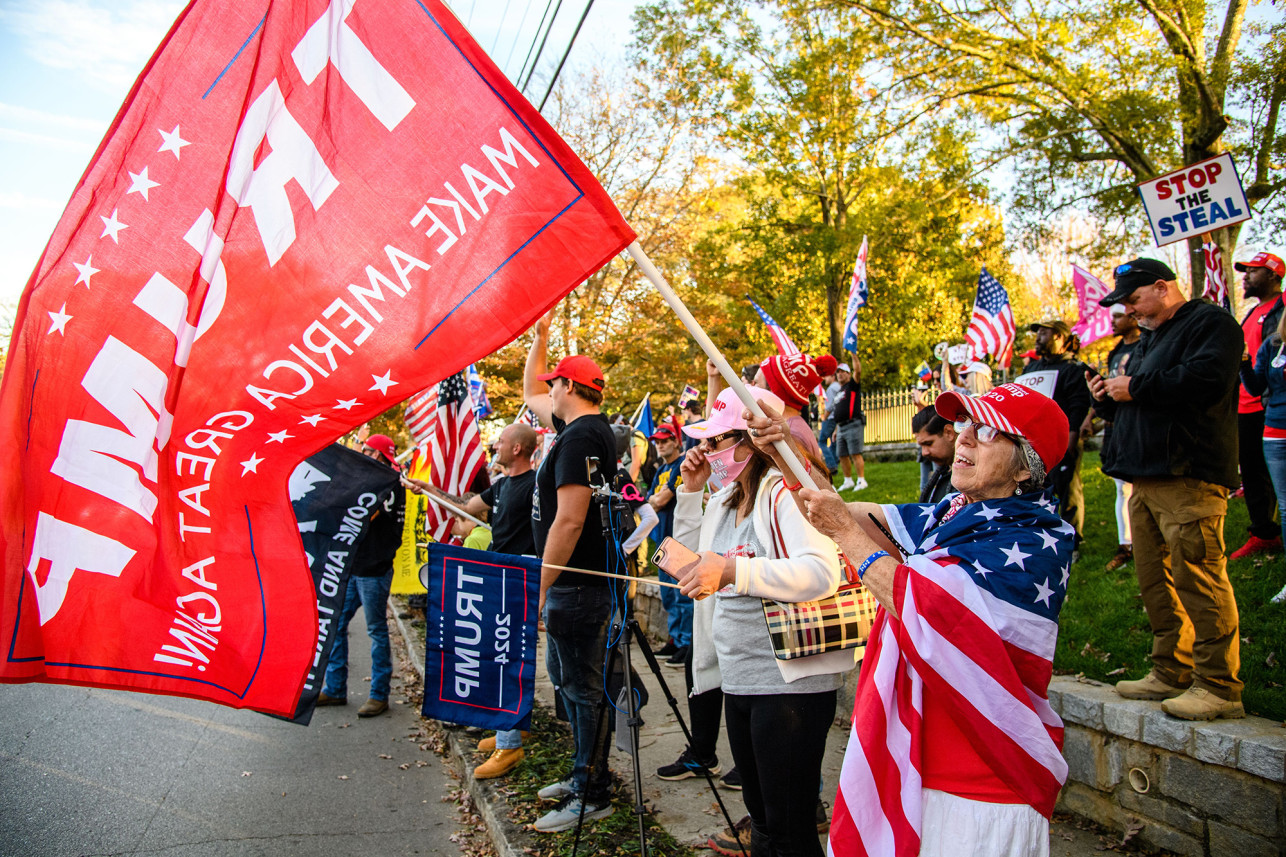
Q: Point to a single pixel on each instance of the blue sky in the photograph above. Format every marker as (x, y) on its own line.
(66, 66)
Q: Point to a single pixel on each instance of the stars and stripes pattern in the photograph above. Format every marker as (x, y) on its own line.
(1216, 289)
(780, 338)
(991, 327)
(420, 413)
(978, 598)
(857, 298)
(451, 448)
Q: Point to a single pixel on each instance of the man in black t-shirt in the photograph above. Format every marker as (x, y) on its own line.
(568, 529)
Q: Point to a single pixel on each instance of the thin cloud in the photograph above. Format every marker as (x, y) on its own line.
(12, 114)
(13, 135)
(29, 203)
(107, 42)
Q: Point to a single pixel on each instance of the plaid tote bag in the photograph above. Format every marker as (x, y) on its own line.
(802, 628)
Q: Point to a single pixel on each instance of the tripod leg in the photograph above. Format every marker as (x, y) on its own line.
(632, 712)
(600, 750)
(655, 667)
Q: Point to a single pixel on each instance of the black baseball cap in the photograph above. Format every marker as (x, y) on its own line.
(1135, 274)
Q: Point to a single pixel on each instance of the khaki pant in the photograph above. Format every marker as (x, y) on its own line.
(1183, 575)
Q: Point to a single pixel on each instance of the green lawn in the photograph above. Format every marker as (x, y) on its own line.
(1103, 632)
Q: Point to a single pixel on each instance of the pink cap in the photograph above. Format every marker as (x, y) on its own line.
(725, 414)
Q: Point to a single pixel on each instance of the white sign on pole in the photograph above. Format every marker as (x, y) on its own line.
(959, 355)
(1194, 200)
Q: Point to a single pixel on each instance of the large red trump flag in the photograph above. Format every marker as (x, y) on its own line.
(305, 212)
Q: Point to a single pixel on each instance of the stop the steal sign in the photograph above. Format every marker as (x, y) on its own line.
(1196, 199)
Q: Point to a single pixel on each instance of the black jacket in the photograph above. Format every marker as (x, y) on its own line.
(1183, 420)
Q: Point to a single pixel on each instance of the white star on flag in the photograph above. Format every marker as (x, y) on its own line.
(346, 404)
(173, 142)
(1043, 592)
(1015, 556)
(984, 511)
(1049, 541)
(383, 382)
(250, 464)
(1067, 572)
(312, 420)
(112, 226)
(278, 436)
(86, 271)
(981, 570)
(141, 184)
(59, 320)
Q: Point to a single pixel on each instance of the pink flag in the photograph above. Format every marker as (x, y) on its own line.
(1095, 321)
(304, 212)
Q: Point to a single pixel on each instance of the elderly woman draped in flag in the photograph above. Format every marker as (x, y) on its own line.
(954, 748)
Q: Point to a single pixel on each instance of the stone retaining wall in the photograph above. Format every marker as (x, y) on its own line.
(1202, 789)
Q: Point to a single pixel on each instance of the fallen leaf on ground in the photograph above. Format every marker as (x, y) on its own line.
(246, 773)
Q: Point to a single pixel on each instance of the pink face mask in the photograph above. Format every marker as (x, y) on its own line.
(724, 468)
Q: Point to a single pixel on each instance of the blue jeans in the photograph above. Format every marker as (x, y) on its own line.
(828, 448)
(1275, 458)
(678, 612)
(371, 594)
(576, 631)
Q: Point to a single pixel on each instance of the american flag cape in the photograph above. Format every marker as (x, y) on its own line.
(978, 601)
(779, 337)
(991, 326)
(455, 451)
(1216, 289)
(857, 297)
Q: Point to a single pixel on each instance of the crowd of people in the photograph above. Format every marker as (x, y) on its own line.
(1191, 406)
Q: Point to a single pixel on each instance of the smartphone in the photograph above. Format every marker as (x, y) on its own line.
(673, 556)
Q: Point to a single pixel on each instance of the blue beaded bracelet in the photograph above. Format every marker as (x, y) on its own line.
(866, 563)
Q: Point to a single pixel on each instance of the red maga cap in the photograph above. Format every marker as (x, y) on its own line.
(1015, 410)
(383, 444)
(1264, 260)
(578, 368)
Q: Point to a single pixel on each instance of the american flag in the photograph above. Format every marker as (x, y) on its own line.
(1216, 283)
(978, 599)
(420, 413)
(779, 337)
(453, 449)
(857, 296)
(991, 327)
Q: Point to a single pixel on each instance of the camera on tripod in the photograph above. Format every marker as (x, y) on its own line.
(615, 513)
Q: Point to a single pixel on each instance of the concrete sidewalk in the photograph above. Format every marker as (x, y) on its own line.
(685, 808)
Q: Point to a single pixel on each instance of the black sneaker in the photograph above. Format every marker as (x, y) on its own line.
(823, 817)
(679, 658)
(686, 766)
(731, 780)
(668, 649)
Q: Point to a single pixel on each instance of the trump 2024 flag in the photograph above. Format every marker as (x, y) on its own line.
(304, 212)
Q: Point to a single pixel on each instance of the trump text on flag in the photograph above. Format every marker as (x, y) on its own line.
(1196, 199)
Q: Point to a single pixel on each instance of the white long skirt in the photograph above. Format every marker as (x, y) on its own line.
(959, 827)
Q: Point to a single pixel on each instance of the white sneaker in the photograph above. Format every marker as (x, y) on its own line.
(846, 485)
(557, 791)
(567, 815)
(860, 484)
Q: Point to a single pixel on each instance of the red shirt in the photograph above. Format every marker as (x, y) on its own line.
(1251, 326)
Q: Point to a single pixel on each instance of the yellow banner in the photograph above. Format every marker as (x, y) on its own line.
(406, 565)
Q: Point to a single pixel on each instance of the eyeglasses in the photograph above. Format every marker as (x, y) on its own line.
(982, 431)
(715, 440)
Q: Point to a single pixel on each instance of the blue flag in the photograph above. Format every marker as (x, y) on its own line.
(478, 393)
(480, 646)
(644, 422)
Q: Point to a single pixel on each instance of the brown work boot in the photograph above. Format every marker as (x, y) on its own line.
(372, 707)
(1148, 687)
(1200, 704)
(500, 763)
(488, 744)
(323, 699)
(1123, 554)
(734, 842)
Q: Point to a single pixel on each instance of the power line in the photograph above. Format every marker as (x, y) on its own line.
(589, 5)
(523, 69)
(518, 33)
(499, 26)
(543, 42)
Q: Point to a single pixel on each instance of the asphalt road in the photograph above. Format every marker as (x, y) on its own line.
(97, 772)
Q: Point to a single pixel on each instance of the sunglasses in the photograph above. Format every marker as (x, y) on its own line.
(715, 440)
(982, 431)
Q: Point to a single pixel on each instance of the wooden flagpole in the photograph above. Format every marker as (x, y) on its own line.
(734, 380)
